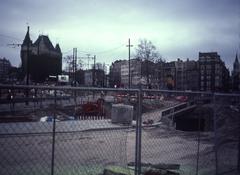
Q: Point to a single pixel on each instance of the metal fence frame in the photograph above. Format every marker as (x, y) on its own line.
(86, 89)
(138, 129)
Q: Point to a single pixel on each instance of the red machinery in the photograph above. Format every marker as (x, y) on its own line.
(182, 98)
(93, 108)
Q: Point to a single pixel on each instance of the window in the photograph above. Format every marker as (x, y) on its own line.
(208, 83)
(202, 67)
(208, 72)
(209, 67)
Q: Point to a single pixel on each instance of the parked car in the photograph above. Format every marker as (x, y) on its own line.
(48, 119)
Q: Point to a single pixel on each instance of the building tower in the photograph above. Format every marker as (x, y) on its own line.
(25, 48)
(40, 59)
(236, 75)
(236, 65)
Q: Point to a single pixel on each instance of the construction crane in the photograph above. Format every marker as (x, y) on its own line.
(14, 45)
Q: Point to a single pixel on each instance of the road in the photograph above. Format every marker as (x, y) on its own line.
(74, 152)
(78, 151)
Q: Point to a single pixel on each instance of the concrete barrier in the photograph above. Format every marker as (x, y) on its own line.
(122, 114)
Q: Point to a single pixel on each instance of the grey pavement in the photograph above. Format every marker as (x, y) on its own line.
(61, 126)
(78, 152)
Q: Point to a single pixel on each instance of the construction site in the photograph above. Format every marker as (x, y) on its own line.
(115, 131)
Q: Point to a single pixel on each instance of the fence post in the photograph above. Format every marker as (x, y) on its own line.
(53, 134)
(238, 143)
(198, 142)
(75, 103)
(138, 134)
(41, 99)
(140, 130)
(136, 141)
(215, 133)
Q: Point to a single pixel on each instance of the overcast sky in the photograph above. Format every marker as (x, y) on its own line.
(178, 28)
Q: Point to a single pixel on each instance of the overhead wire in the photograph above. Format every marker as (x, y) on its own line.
(7, 36)
(99, 52)
(109, 50)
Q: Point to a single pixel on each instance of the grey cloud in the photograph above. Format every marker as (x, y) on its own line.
(212, 23)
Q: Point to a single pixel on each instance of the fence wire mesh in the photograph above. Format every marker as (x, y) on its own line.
(178, 133)
(227, 133)
(60, 130)
(162, 144)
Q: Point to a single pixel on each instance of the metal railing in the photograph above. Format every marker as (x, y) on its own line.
(175, 132)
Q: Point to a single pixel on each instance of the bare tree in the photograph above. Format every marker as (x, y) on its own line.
(147, 51)
(149, 55)
(68, 60)
(98, 66)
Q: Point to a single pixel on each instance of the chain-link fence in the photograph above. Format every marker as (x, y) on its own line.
(66, 130)
(227, 133)
(53, 130)
(177, 134)
(190, 133)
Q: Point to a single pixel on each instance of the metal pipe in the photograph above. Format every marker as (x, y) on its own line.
(238, 164)
(140, 130)
(215, 134)
(53, 134)
(4, 86)
(198, 144)
(136, 142)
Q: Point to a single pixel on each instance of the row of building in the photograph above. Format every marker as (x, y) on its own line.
(208, 73)
(5, 67)
(40, 60)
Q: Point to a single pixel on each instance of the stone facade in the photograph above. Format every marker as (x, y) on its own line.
(94, 78)
(115, 74)
(5, 66)
(209, 73)
(213, 74)
(135, 73)
(186, 75)
(236, 75)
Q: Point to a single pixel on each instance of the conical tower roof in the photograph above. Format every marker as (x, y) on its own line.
(58, 48)
(236, 59)
(27, 38)
(236, 65)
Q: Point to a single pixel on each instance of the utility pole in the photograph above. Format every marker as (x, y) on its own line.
(148, 52)
(74, 66)
(94, 64)
(75, 70)
(129, 74)
(88, 57)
